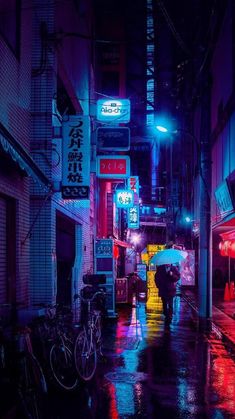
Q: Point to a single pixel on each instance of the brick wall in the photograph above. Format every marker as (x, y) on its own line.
(15, 73)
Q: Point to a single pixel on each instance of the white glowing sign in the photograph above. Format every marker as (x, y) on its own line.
(124, 198)
(133, 220)
(116, 110)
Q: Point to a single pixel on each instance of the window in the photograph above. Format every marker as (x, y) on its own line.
(10, 23)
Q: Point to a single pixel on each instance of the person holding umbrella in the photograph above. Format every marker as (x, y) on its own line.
(166, 277)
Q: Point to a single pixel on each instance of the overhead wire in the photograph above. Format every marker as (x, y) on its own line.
(171, 25)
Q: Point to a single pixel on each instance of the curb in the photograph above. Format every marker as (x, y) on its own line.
(218, 330)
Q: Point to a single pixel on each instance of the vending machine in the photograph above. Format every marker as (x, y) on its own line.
(105, 264)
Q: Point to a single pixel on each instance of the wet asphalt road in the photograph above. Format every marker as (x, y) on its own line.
(153, 371)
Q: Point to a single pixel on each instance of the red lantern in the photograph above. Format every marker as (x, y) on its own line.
(231, 252)
(115, 251)
(224, 247)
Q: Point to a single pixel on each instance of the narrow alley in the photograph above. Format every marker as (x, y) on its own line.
(153, 371)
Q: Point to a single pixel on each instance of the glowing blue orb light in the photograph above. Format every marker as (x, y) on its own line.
(188, 219)
(161, 128)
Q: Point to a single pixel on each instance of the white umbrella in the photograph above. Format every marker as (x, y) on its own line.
(168, 256)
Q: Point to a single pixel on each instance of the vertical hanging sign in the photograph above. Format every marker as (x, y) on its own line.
(133, 218)
(76, 157)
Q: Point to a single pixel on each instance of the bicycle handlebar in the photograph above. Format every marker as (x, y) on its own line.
(87, 300)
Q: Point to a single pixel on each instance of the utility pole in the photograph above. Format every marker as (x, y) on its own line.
(205, 235)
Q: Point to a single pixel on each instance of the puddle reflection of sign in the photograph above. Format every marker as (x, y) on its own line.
(187, 269)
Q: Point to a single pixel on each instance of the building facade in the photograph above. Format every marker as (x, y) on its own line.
(47, 239)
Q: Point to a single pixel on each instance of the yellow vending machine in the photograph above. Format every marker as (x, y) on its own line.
(154, 302)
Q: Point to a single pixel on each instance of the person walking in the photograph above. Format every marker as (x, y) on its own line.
(166, 278)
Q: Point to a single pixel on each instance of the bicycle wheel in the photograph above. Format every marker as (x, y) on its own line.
(85, 356)
(62, 366)
(32, 388)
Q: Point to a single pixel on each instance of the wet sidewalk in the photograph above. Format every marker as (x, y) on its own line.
(223, 312)
(154, 371)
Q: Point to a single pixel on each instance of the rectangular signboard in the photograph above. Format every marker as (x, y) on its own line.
(141, 271)
(124, 198)
(187, 269)
(113, 166)
(133, 184)
(133, 219)
(113, 138)
(113, 110)
(223, 198)
(76, 157)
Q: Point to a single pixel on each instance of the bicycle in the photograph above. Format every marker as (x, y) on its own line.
(23, 373)
(57, 346)
(88, 341)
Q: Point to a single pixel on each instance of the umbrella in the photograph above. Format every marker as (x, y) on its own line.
(168, 256)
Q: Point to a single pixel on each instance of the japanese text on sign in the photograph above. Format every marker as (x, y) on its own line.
(133, 217)
(76, 157)
(124, 198)
(115, 166)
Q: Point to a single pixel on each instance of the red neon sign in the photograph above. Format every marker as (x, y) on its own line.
(113, 167)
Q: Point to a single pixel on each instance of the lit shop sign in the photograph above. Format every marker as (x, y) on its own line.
(133, 219)
(117, 110)
(124, 198)
(223, 198)
(152, 210)
(76, 157)
(133, 184)
(117, 167)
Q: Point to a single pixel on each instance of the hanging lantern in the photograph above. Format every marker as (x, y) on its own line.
(224, 247)
(115, 252)
(232, 249)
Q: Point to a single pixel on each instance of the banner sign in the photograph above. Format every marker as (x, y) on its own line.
(114, 110)
(124, 198)
(133, 219)
(133, 184)
(141, 271)
(223, 198)
(187, 269)
(76, 157)
(113, 166)
(104, 247)
(112, 138)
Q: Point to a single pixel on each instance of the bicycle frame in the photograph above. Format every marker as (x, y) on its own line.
(87, 341)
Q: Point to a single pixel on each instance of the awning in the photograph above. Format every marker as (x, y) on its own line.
(122, 243)
(22, 158)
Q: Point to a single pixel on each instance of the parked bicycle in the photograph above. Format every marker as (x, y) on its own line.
(55, 341)
(22, 372)
(89, 341)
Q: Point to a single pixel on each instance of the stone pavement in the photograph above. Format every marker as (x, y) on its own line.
(223, 312)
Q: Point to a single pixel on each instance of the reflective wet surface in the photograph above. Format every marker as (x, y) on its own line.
(150, 370)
